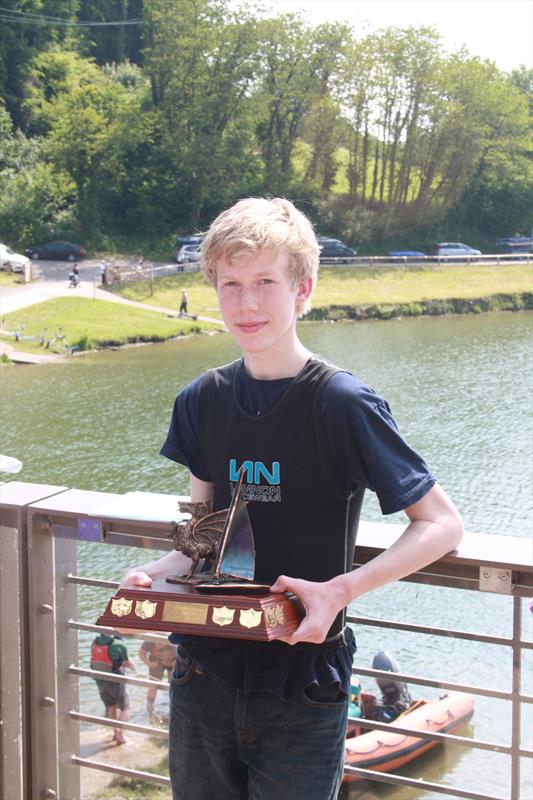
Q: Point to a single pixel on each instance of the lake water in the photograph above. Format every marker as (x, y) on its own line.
(460, 389)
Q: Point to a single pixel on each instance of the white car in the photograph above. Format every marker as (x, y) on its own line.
(189, 253)
(454, 249)
(12, 261)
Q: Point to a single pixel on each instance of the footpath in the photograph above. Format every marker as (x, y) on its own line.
(13, 298)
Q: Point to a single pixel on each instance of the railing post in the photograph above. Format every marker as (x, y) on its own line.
(43, 659)
(15, 661)
(515, 699)
(12, 779)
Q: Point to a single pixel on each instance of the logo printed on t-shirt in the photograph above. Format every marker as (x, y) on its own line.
(262, 482)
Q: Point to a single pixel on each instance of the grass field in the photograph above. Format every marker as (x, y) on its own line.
(409, 284)
(91, 323)
(360, 285)
(167, 293)
(88, 324)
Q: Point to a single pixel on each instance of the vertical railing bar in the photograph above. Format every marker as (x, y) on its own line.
(515, 698)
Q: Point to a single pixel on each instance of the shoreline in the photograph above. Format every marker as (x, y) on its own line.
(335, 313)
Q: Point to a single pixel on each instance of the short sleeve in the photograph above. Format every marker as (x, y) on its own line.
(182, 444)
(117, 651)
(367, 446)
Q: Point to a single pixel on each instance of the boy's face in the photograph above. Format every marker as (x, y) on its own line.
(258, 301)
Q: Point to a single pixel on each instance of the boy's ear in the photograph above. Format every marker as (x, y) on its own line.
(305, 287)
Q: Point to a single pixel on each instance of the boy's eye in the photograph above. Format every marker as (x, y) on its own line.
(265, 281)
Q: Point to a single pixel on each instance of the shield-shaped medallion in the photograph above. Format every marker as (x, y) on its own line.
(145, 609)
(120, 606)
(223, 615)
(250, 618)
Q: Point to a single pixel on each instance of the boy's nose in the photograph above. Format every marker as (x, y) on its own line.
(249, 298)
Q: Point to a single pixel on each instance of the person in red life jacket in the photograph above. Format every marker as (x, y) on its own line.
(109, 654)
(268, 719)
(159, 657)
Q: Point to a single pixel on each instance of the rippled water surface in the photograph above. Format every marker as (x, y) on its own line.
(460, 389)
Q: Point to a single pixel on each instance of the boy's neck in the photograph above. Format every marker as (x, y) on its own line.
(268, 366)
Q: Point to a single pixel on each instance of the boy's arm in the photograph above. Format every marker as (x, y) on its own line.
(173, 562)
(435, 528)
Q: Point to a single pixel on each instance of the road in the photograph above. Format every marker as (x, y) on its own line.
(50, 279)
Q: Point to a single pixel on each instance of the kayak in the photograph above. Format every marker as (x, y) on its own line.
(384, 751)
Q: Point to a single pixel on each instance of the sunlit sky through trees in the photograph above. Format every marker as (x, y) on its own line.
(500, 30)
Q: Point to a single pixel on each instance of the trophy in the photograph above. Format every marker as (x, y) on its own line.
(218, 596)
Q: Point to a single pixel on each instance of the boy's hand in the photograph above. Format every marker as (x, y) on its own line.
(135, 578)
(132, 580)
(321, 601)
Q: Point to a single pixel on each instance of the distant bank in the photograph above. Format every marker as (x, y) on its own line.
(146, 311)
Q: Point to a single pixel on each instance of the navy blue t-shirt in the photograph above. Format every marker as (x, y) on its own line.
(369, 452)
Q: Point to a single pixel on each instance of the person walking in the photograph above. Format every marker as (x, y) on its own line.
(268, 719)
(160, 658)
(109, 654)
(184, 302)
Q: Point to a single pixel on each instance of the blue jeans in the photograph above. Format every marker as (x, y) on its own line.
(225, 744)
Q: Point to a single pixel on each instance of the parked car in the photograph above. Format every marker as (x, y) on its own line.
(62, 251)
(185, 241)
(454, 249)
(189, 253)
(515, 244)
(405, 253)
(334, 248)
(12, 261)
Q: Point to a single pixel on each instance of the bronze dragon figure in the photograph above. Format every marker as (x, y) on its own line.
(199, 537)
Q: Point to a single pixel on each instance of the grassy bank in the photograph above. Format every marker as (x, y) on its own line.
(410, 290)
(341, 293)
(87, 324)
(167, 293)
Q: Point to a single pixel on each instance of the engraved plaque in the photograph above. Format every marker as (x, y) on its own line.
(145, 609)
(189, 613)
(223, 615)
(271, 617)
(250, 618)
(120, 606)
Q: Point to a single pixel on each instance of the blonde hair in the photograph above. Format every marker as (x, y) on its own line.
(255, 224)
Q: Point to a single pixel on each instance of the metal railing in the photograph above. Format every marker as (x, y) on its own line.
(458, 260)
(40, 717)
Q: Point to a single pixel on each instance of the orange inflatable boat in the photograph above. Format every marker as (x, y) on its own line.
(386, 751)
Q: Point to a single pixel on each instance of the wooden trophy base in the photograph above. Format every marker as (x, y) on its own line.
(183, 609)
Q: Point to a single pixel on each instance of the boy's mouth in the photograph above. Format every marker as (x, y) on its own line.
(250, 327)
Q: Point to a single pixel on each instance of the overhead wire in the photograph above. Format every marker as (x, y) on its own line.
(29, 18)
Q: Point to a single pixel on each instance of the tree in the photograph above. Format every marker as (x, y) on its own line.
(200, 59)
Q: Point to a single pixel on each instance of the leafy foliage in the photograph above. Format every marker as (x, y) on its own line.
(167, 111)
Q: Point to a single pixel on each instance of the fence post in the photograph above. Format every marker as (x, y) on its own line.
(43, 659)
(12, 779)
(15, 662)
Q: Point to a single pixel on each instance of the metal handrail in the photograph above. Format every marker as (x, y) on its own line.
(114, 677)
(452, 686)
(117, 723)
(50, 694)
(455, 634)
(413, 783)
(129, 773)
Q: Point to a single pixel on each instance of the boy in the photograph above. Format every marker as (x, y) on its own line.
(268, 720)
